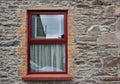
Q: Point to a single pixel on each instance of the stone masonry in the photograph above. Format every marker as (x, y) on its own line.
(93, 40)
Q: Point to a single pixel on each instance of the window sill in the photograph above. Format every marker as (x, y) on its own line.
(47, 77)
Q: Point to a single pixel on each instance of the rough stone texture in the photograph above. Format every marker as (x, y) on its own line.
(9, 43)
(109, 38)
(111, 61)
(94, 32)
(118, 25)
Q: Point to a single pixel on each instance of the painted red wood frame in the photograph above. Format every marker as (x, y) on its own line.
(47, 41)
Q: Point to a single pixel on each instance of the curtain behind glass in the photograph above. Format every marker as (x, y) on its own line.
(47, 58)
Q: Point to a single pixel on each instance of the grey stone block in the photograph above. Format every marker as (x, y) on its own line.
(10, 43)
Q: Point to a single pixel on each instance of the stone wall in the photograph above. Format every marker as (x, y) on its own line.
(95, 43)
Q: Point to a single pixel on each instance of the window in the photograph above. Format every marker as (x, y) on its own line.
(47, 42)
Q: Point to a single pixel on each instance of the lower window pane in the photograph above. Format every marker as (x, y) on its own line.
(47, 58)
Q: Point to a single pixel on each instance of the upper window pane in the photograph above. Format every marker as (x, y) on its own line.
(47, 26)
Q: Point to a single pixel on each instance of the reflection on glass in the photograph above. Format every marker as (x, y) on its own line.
(48, 26)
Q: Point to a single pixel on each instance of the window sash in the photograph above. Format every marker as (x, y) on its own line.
(47, 58)
(30, 39)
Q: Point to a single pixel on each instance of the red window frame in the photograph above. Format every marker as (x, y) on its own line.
(47, 41)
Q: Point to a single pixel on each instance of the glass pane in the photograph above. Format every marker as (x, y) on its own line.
(47, 58)
(47, 26)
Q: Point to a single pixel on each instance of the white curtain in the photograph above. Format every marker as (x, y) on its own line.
(47, 57)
